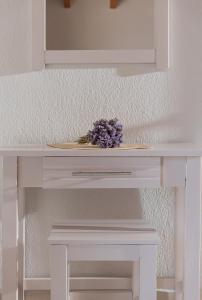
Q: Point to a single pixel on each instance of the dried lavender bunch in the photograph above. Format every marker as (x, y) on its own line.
(105, 134)
(83, 140)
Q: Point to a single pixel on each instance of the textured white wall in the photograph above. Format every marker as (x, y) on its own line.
(60, 105)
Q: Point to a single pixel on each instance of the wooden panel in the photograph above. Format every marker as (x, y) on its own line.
(15, 33)
(81, 283)
(59, 273)
(30, 171)
(38, 34)
(104, 253)
(100, 56)
(55, 174)
(67, 3)
(165, 285)
(108, 224)
(179, 242)
(174, 171)
(113, 3)
(100, 237)
(101, 183)
(148, 273)
(9, 201)
(21, 242)
(99, 172)
(136, 279)
(161, 33)
(144, 166)
(192, 230)
(157, 150)
(100, 295)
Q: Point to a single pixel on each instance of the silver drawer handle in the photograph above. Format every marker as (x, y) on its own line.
(91, 174)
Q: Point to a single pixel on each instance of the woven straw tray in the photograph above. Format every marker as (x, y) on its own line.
(90, 146)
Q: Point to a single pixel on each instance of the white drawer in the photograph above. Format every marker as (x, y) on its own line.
(101, 172)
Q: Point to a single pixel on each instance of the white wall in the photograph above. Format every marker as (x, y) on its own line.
(60, 105)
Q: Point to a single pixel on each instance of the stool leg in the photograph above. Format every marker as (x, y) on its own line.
(148, 273)
(136, 280)
(59, 272)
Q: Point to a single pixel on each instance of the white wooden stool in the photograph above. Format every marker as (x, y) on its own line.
(104, 240)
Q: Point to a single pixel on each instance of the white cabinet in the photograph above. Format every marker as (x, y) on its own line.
(135, 32)
(15, 36)
(36, 33)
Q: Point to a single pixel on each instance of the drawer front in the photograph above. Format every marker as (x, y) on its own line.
(101, 172)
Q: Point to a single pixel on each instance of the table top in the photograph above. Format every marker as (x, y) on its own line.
(178, 149)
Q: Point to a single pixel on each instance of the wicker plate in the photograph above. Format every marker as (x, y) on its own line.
(90, 146)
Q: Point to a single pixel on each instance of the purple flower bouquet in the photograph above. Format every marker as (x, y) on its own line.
(105, 134)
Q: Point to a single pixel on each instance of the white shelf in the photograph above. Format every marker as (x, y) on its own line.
(141, 56)
(135, 33)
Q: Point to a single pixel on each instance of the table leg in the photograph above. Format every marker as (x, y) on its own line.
(9, 228)
(148, 273)
(136, 280)
(179, 243)
(59, 267)
(21, 242)
(188, 233)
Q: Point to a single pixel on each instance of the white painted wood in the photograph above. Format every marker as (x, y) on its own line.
(15, 32)
(38, 34)
(158, 150)
(137, 225)
(179, 242)
(81, 283)
(102, 295)
(104, 252)
(187, 215)
(136, 280)
(99, 183)
(139, 166)
(103, 238)
(158, 56)
(192, 227)
(59, 273)
(22, 30)
(9, 228)
(100, 172)
(164, 285)
(30, 171)
(162, 33)
(174, 171)
(148, 273)
(113, 251)
(21, 242)
(139, 56)
(25, 50)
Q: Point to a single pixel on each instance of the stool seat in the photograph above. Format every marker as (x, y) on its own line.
(104, 240)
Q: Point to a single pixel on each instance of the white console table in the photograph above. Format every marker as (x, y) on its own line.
(171, 165)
